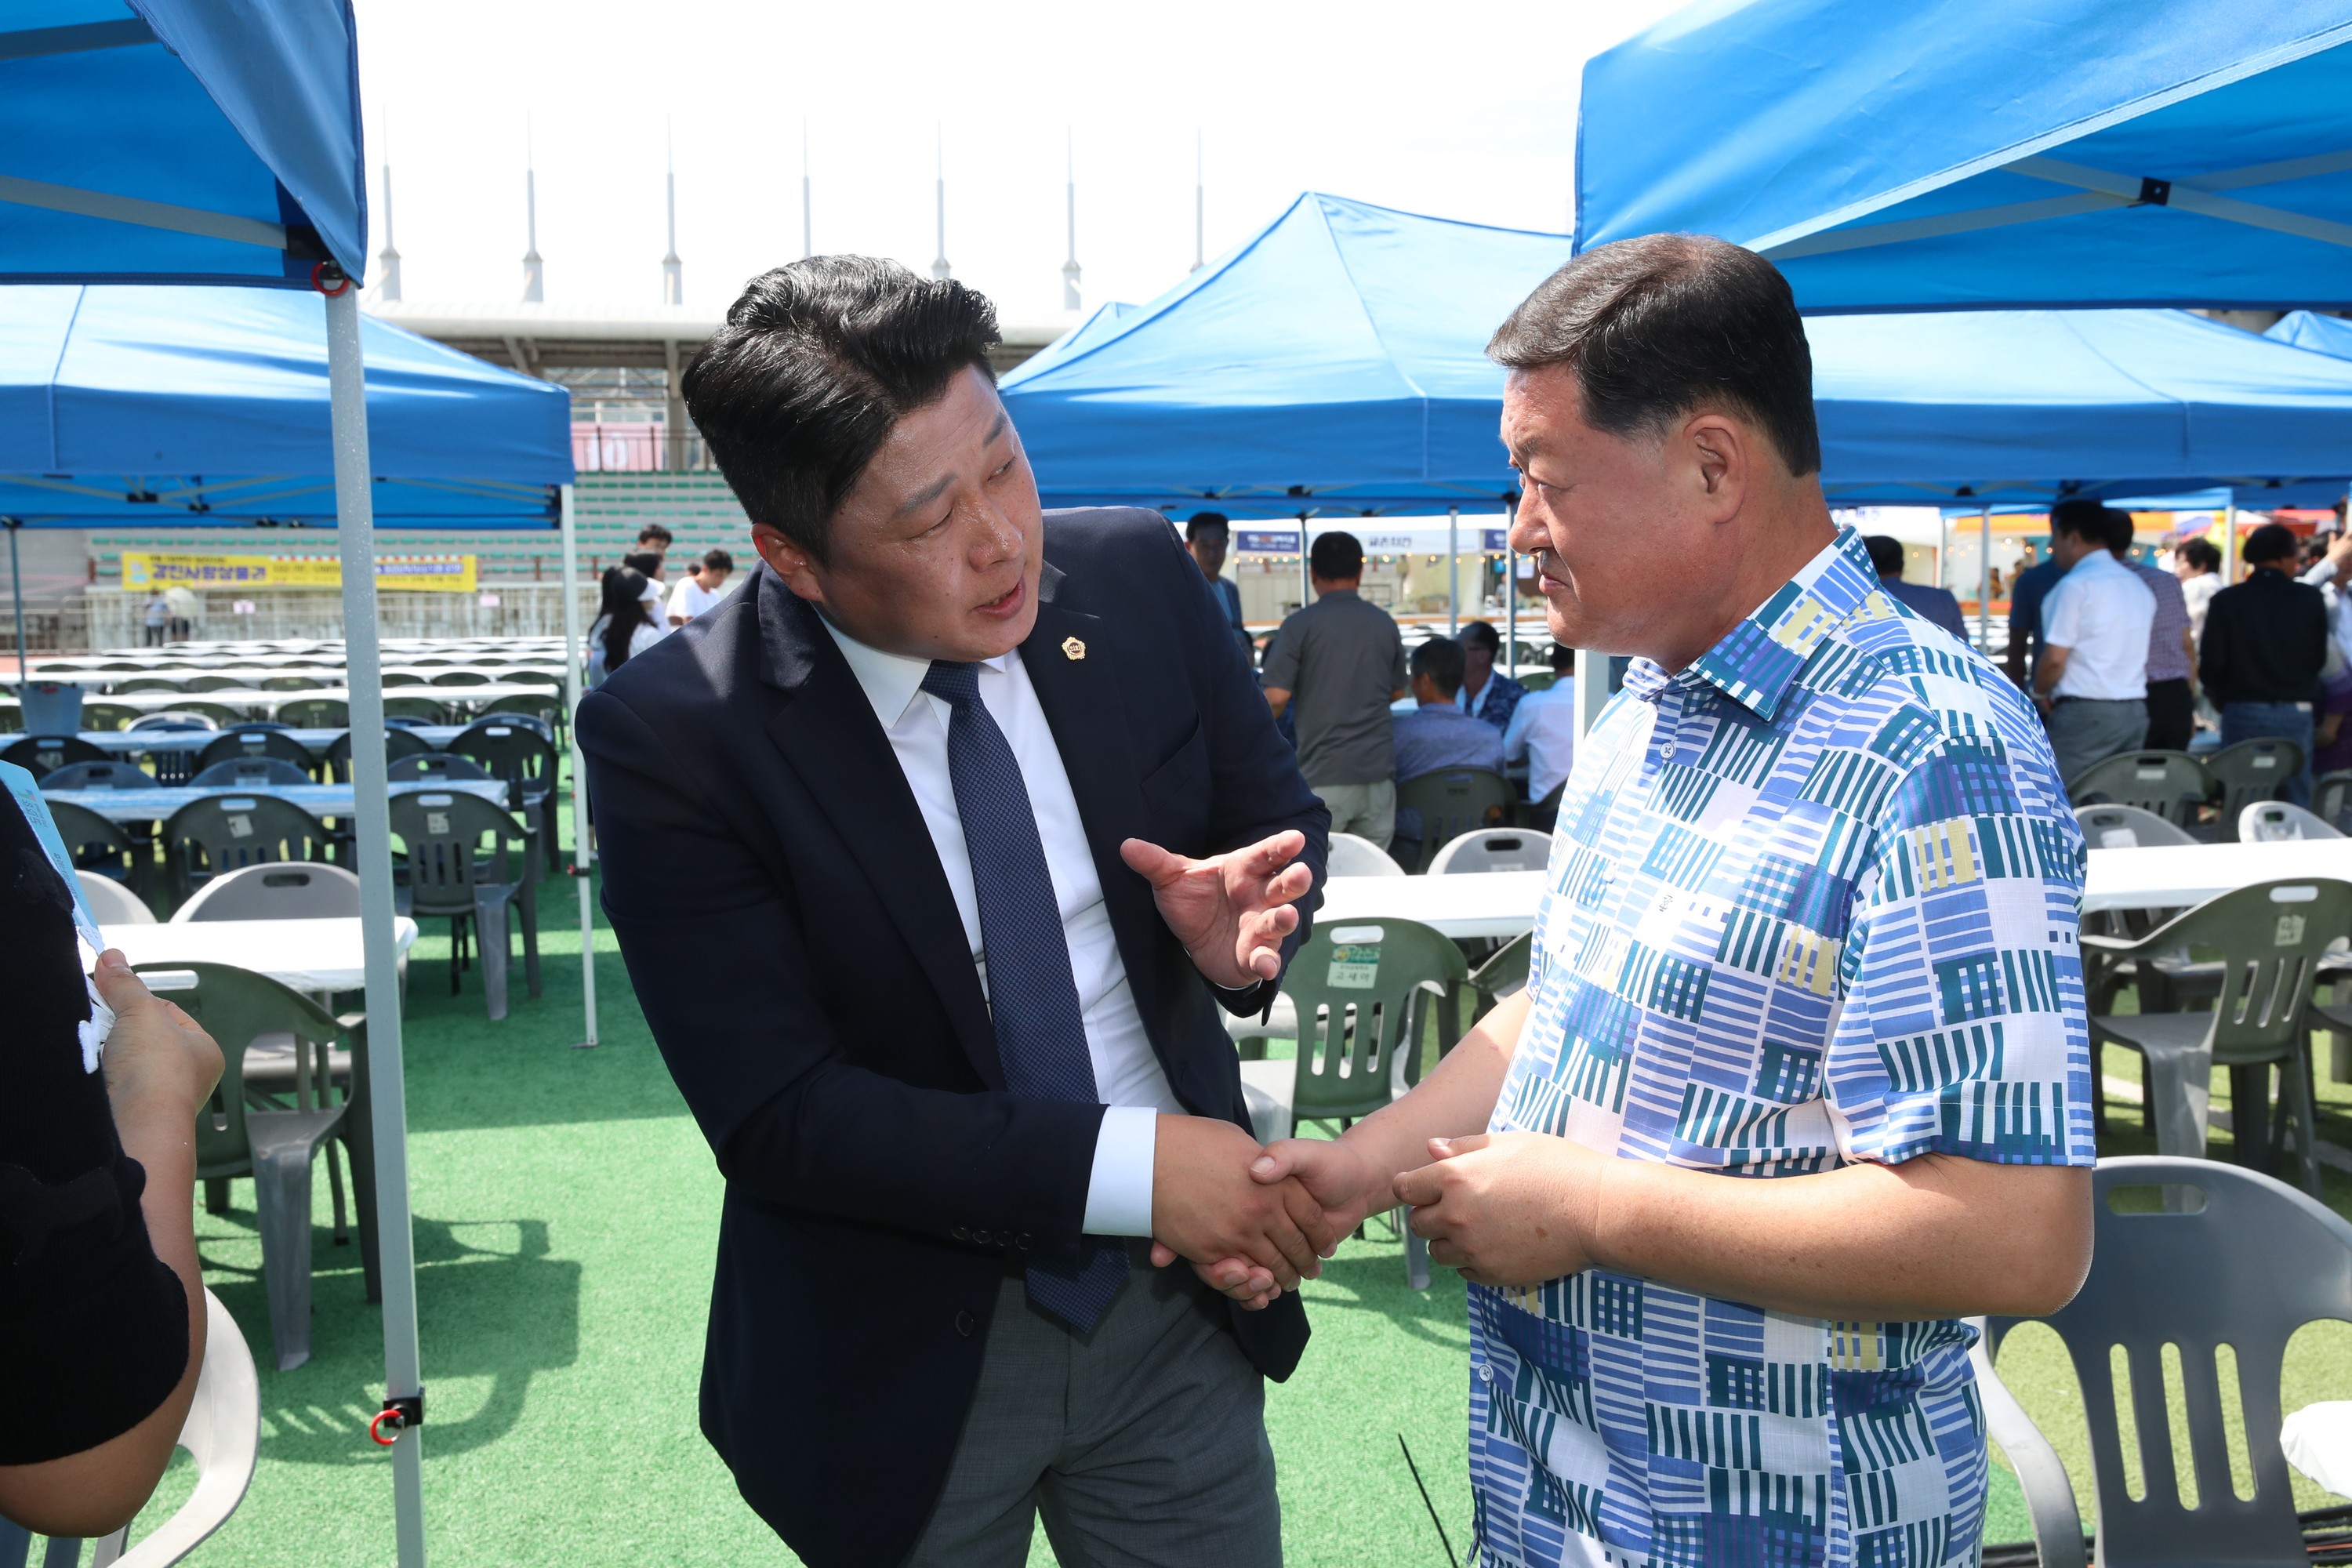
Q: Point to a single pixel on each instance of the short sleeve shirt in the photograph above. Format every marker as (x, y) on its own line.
(1340, 659)
(1812, 900)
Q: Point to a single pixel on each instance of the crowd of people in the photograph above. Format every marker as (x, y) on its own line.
(2121, 655)
(636, 608)
(1335, 669)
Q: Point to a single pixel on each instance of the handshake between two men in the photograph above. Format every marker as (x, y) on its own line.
(1254, 1222)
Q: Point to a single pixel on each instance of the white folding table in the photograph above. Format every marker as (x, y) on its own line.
(308, 955)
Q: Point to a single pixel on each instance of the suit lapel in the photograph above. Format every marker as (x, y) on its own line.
(829, 737)
(1072, 669)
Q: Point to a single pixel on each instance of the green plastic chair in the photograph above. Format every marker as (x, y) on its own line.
(424, 707)
(109, 716)
(397, 743)
(1504, 975)
(2269, 938)
(403, 677)
(229, 832)
(2251, 771)
(449, 874)
(287, 1093)
(41, 754)
(526, 760)
(98, 844)
(220, 713)
(1361, 994)
(1453, 802)
(212, 683)
(2246, 1268)
(253, 742)
(150, 683)
(459, 677)
(2172, 785)
(288, 683)
(315, 713)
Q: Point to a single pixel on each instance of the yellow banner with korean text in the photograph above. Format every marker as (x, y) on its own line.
(142, 570)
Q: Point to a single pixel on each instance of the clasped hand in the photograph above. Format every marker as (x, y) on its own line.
(1505, 1208)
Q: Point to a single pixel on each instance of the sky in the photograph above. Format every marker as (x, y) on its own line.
(1465, 111)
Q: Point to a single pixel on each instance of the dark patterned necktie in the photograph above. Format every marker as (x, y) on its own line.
(1032, 1000)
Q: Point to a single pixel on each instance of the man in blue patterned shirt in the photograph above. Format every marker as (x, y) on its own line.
(1800, 1076)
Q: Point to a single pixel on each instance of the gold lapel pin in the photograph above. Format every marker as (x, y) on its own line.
(1072, 648)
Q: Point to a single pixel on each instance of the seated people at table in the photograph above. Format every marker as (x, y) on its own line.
(1334, 667)
(1486, 695)
(700, 589)
(102, 1304)
(1206, 537)
(984, 808)
(2198, 564)
(2264, 651)
(1438, 734)
(623, 626)
(2092, 682)
(2171, 651)
(1542, 731)
(1936, 606)
(1783, 895)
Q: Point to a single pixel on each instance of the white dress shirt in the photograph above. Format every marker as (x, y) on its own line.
(1543, 730)
(1128, 1075)
(2100, 613)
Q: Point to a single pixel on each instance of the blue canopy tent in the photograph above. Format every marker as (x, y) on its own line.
(157, 404)
(182, 141)
(2320, 334)
(1334, 366)
(2006, 153)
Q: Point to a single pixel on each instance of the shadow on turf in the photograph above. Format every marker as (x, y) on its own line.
(491, 1304)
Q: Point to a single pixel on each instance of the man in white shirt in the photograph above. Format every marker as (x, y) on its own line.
(2093, 679)
(1542, 730)
(701, 588)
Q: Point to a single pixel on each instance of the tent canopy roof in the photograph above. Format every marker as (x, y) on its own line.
(216, 398)
(178, 140)
(2005, 152)
(1339, 350)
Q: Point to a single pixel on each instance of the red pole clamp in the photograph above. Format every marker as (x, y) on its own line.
(318, 282)
(397, 1416)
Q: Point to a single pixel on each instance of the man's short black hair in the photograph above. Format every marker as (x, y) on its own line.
(1563, 657)
(718, 561)
(654, 530)
(2272, 541)
(1439, 658)
(2201, 554)
(1336, 557)
(2121, 530)
(1659, 326)
(2082, 517)
(1885, 554)
(1482, 633)
(815, 363)
(1204, 522)
(644, 561)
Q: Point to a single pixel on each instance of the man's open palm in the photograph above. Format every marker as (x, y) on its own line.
(1231, 912)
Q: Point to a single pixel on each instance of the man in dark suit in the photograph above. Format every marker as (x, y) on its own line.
(979, 816)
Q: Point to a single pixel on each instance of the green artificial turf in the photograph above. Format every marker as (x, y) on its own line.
(566, 1215)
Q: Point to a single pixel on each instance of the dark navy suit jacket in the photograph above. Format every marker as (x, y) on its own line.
(793, 941)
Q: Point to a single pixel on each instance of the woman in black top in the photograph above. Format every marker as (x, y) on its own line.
(102, 1304)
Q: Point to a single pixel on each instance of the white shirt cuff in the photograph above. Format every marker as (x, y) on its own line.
(1118, 1193)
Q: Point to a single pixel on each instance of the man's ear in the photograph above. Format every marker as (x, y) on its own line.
(788, 561)
(1720, 452)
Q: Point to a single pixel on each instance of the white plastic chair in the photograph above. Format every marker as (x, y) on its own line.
(111, 902)
(1493, 849)
(2277, 822)
(223, 1433)
(2128, 827)
(275, 890)
(1352, 856)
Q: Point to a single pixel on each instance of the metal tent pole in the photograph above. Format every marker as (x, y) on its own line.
(16, 592)
(1510, 593)
(582, 856)
(1984, 580)
(1306, 578)
(355, 536)
(1454, 572)
(2229, 557)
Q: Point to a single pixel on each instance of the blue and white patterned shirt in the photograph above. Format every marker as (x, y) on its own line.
(1812, 900)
